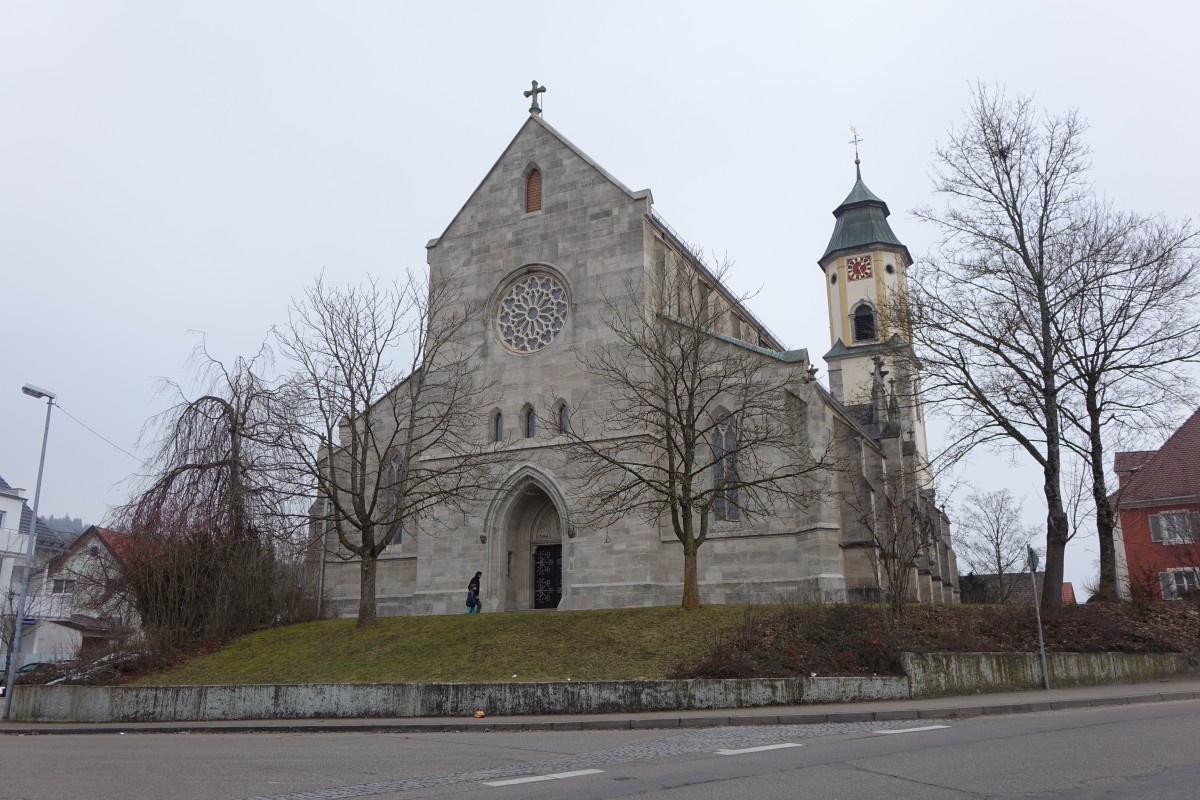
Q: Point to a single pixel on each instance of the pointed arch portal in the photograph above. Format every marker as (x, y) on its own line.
(526, 543)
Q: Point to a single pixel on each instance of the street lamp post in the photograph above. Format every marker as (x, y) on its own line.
(19, 622)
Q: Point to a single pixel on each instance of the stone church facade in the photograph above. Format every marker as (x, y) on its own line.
(546, 241)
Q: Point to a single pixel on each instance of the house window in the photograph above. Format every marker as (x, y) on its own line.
(63, 586)
(864, 324)
(533, 192)
(1175, 527)
(498, 427)
(1, 519)
(1177, 583)
(530, 423)
(724, 440)
(564, 418)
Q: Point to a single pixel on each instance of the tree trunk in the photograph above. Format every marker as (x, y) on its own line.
(366, 593)
(1058, 529)
(1105, 517)
(691, 588)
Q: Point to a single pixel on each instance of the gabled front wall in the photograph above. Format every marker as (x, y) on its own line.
(599, 240)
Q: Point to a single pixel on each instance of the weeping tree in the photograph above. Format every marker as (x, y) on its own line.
(384, 417)
(693, 427)
(204, 532)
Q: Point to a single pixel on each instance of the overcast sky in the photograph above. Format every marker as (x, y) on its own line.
(175, 167)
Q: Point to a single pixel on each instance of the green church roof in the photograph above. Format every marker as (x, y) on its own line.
(861, 220)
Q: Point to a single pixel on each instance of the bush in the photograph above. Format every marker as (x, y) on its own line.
(797, 641)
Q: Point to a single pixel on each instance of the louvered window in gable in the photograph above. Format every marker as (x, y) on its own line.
(533, 192)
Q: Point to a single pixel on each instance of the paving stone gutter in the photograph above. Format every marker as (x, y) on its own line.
(927, 675)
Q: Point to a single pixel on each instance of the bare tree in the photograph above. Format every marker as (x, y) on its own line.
(692, 426)
(889, 501)
(983, 312)
(204, 532)
(1129, 332)
(992, 539)
(383, 445)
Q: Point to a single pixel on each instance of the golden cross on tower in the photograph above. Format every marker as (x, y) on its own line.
(533, 93)
(855, 142)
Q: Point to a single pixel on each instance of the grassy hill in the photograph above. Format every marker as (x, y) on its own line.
(715, 641)
(532, 645)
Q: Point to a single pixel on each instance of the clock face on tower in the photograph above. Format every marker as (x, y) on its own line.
(858, 267)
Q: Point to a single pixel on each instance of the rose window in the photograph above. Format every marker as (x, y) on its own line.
(532, 313)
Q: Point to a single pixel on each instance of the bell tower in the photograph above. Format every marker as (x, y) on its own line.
(865, 267)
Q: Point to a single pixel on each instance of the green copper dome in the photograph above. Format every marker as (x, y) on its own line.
(861, 221)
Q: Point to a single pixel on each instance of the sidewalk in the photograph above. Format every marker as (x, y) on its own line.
(973, 705)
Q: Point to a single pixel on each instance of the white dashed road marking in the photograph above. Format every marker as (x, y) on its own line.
(913, 730)
(536, 778)
(757, 749)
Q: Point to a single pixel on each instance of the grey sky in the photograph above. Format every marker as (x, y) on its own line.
(167, 167)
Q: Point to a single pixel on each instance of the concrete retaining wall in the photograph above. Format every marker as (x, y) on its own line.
(929, 675)
(941, 674)
(325, 701)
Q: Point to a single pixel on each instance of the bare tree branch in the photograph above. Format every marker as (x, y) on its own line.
(383, 445)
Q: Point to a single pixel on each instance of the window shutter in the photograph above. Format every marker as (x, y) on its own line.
(1190, 580)
(1155, 528)
(533, 192)
(1167, 584)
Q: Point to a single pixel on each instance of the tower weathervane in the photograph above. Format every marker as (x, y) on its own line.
(855, 142)
(532, 94)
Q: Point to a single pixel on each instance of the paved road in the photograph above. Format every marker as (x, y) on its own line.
(1135, 751)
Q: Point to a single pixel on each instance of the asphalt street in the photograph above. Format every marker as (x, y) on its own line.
(1128, 751)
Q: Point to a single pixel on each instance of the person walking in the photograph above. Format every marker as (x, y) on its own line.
(473, 604)
(472, 599)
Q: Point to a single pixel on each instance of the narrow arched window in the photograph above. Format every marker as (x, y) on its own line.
(564, 418)
(725, 478)
(533, 192)
(395, 498)
(864, 324)
(498, 427)
(530, 423)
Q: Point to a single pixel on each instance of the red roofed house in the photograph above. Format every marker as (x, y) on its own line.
(81, 607)
(1158, 517)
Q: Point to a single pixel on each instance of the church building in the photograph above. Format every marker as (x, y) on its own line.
(544, 245)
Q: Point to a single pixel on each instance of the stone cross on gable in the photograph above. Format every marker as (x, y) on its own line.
(533, 93)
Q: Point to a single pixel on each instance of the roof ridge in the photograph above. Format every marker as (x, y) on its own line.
(1161, 475)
